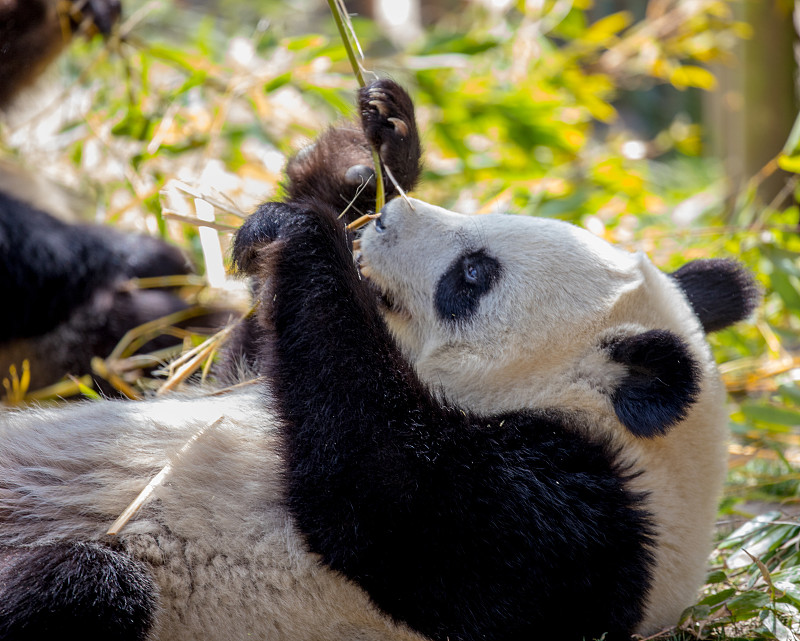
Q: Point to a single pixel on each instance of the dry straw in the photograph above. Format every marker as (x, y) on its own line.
(141, 499)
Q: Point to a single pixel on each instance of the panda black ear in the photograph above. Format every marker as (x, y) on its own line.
(662, 381)
(721, 291)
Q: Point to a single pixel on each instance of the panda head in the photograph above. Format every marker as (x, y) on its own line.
(503, 312)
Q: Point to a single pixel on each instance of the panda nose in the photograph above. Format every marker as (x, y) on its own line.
(393, 212)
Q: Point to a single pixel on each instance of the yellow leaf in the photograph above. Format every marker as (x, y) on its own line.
(692, 76)
(607, 27)
(789, 163)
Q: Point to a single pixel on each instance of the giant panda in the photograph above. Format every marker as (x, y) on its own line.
(67, 295)
(481, 428)
(65, 286)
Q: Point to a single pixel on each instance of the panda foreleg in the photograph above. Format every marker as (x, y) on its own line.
(337, 171)
(70, 589)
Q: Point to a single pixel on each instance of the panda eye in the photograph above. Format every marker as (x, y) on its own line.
(471, 273)
(464, 283)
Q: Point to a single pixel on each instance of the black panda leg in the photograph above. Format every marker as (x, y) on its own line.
(336, 172)
(67, 589)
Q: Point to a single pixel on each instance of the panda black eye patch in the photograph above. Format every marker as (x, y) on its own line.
(461, 287)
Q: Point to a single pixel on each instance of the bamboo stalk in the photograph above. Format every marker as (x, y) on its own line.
(363, 220)
(101, 368)
(142, 497)
(347, 33)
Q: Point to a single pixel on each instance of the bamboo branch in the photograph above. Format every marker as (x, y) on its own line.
(350, 41)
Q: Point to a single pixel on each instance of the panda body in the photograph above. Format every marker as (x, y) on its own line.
(215, 545)
(215, 540)
(65, 287)
(68, 294)
(367, 491)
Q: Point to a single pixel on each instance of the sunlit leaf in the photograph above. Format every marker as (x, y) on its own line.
(605, 28)
(790, 590)
(775, 628)
(754, 525)
(790, 163)
(692, 76)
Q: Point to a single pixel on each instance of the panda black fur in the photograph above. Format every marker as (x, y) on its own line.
(65, 290)
(64, 286)
(519, 508)
(34, 32)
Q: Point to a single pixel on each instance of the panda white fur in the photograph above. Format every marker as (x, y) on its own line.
(565, 487)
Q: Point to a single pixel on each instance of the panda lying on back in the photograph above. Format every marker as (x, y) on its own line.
(465, 432)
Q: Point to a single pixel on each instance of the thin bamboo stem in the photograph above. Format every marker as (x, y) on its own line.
(343, 23)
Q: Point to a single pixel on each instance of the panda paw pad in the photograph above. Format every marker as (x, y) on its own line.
(386, 113)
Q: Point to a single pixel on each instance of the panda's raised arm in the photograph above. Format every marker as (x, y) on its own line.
(463, 526)
(336, 171)
(335, 176)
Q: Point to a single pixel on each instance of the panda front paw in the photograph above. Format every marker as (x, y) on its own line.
(267, 224)
(94, 15)
(387, 117)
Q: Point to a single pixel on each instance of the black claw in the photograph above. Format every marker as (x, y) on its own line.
(104, 14)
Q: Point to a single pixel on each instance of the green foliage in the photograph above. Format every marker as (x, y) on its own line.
(754, 590)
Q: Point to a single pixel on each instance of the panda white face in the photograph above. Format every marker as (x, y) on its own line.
(502, 312)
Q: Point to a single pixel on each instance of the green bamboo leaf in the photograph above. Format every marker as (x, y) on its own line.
(305, 43)
(717, 598)
(791, 393)
(278, 81)
(761, 545)
(791, 592)
(755, 525)
(717, 576)
(786, 289)
(608, 27)
(695, 613)
(775, 629)
(786, 261)
(748, 604)
(788, 575)
(772, 414)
